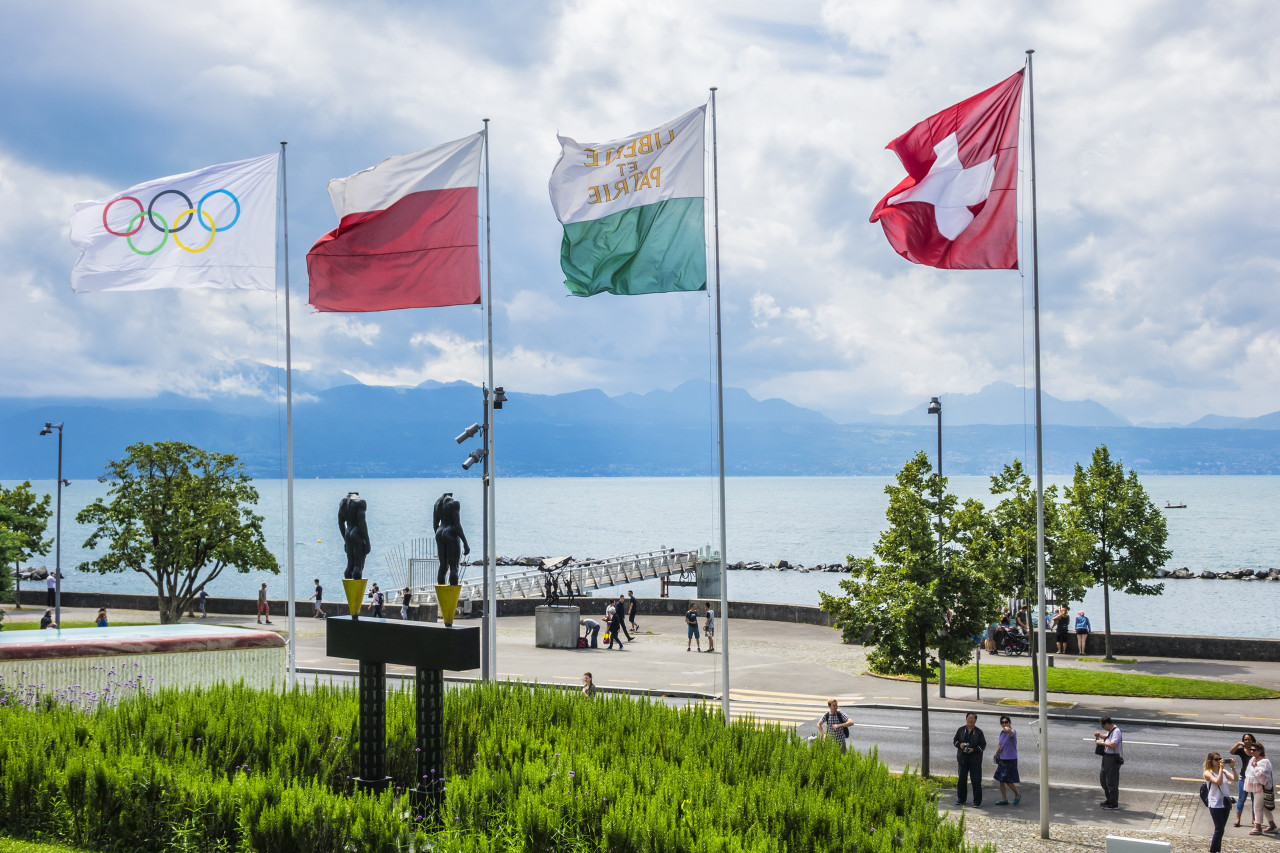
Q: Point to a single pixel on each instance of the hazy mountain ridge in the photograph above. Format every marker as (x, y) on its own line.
(349, 429)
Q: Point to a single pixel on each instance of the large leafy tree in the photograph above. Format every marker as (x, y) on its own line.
(898, 600)
(180, 516)
(1013, 527)
(1125, 531)
(23, 521)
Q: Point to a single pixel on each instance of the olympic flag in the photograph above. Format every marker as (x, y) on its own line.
(408, 234)
(214, 227)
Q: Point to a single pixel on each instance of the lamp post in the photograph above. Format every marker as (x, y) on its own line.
(57, 558)
(935, 408)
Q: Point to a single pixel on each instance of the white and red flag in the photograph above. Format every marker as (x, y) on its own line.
(958, 206)
(407, 236)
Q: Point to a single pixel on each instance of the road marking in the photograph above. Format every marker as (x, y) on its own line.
(686, 684)
(1177, 714)
(1272, 719)
(624, 681)
(809, 696)
(874, 726)
(900, 698)
(1140, 742)
(1186, 779)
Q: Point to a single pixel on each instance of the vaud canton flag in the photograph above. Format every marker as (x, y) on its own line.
(214, 227)
(958, 206)
(633, 210)
(408, 234)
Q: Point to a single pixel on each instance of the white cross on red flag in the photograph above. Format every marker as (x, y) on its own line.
(958, 206)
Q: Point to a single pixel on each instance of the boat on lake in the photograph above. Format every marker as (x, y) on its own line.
(1179, 505)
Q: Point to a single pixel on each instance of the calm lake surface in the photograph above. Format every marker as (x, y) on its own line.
(1228, 523)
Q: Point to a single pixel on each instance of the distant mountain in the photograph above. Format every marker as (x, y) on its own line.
(1002, 403)
(1271, 421)
(347, 429)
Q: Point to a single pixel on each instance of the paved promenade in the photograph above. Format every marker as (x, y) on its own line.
(785, 672)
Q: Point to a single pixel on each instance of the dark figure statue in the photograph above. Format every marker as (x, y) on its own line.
(355, 534)
(448, 527)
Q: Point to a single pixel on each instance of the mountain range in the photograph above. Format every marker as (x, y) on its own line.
(343, 428)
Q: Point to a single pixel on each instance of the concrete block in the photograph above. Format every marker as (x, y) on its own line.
(555, 626)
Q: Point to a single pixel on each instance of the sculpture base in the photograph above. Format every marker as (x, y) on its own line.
(555, 626)
(447, 596)
(354, 590)
(373, 786)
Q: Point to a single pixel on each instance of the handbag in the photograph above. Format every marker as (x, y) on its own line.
(1099, 749)
(1269, 799)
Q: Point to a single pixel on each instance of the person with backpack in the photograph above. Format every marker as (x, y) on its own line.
(691, 622)
(1216, 794)
(837, 722)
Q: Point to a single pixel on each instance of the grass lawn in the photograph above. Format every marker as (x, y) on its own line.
(10, 845)
(11, 625)
(1105, 683)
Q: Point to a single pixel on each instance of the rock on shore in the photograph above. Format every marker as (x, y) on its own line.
(1228, 575)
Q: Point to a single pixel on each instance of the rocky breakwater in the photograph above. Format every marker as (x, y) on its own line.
(1227, 575)
(785, 566)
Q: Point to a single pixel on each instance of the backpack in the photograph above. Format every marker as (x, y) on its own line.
(1204, 793)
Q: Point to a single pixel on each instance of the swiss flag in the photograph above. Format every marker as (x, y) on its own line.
(958, 206)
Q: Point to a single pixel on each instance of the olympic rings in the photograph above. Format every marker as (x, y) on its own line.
(148, 213)
(211, 228)
(151, 207)
(137, 218)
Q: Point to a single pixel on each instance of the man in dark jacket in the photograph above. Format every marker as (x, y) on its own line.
(970, 744)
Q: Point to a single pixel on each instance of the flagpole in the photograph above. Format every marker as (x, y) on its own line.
(288, 396)
(1042, 653)
(491, 469)
(724, 563)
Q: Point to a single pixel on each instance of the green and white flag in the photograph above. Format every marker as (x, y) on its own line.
(633, 210)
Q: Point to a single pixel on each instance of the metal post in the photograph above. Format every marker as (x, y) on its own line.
(935, 407)
(490, 467)
(288, 398)
(724, 557)
(57, 558)
(485, 674)
(373, 727)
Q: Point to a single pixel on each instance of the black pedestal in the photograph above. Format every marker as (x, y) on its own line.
(373, 727)
(430, 729)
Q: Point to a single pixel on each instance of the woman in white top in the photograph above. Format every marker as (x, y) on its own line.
(1258, 778)
(1218, 775)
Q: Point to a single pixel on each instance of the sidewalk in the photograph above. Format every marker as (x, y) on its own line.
(796, 668)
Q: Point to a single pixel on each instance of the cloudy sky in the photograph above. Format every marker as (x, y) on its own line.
(1157, 168)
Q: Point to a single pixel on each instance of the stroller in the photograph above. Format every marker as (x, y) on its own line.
(1013, 642)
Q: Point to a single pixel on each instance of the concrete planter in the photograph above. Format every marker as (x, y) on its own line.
(556, 626)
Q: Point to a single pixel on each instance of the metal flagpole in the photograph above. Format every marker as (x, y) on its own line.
(288, 396)
(491, 566)
(724, 563)
(1043, 652)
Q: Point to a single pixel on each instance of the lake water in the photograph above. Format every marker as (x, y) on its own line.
(1228, 524)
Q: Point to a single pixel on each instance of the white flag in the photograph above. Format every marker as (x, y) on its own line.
(214, 227)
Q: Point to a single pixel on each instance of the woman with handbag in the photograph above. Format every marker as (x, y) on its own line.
(1007, 763)
(1260, 781)
(1217, 776)
(1241, 751)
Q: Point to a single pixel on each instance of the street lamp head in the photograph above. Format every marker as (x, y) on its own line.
(468, 433)
(48, 429)
(474, 457)
(66, 482)
(498, 397)
(935, 406)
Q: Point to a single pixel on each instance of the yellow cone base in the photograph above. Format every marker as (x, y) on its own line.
(355, 594)
(447, 596)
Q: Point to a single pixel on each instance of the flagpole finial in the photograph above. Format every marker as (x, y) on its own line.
(713, 88)
(1030, 51)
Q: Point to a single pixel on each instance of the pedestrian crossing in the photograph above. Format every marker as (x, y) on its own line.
(787, 709)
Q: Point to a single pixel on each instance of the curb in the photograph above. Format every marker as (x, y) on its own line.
(631, 691)
(1082, 718)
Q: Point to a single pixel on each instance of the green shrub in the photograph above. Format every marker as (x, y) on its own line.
(233, 769)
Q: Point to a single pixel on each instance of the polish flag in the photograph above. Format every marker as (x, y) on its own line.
(958, 206)
(407, 235)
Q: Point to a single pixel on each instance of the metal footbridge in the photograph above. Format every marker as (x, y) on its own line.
(415, 565)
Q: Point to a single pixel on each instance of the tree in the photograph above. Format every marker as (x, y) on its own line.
(1125, 531)
(1013, 522)
(899, 601)
(173, 511)
(23, 521)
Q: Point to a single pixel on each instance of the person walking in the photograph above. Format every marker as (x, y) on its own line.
(691, 624)
(837, 722)
(318, 598)
(1217, 776)
(970, 744)
(406, 597)
(1241, 752)
(710, 628)
(1082, 631)
(204, 604)
(621, 609)
(614, 616)
(1109, 743)
(1007, 763)
(101, 621)
(263, 608)
(633, 605)
(1259, 780)
(592, 632)
(588, 686)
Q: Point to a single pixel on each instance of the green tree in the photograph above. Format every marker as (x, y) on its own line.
(1125, 531)
(23, 521)
(910, 597)
(180, 516)
(1013, 522)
